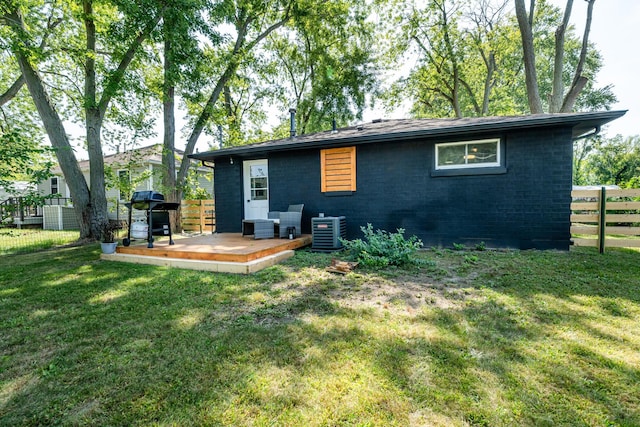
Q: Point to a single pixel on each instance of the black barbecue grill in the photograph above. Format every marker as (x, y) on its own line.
(158, 218)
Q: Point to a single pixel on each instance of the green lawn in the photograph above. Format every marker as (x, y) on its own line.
(467, 338)
(15, 241)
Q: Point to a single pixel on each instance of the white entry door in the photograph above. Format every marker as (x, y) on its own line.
(256, 189)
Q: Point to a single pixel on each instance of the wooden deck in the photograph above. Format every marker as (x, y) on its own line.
(227, 252)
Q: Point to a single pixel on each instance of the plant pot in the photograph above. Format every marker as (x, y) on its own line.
(108, 248)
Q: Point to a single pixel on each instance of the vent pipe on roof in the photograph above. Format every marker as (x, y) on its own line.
(220, 135)
(292, 130)
(334, 126)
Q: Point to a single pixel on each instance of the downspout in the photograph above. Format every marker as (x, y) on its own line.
(596, 131)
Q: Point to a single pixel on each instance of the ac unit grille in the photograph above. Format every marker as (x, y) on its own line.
(327, 231)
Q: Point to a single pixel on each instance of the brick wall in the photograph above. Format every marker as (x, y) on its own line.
(525, 206)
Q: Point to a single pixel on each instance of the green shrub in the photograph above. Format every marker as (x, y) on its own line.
(381, 248)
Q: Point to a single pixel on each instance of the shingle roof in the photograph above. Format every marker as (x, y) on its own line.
(404, 129)
(148, 154)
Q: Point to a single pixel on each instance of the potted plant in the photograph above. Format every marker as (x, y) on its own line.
(108, 237)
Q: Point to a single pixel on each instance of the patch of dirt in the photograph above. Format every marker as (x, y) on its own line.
(447, 284)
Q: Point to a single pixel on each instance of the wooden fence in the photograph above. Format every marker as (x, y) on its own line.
(602, 218)
(198, 215)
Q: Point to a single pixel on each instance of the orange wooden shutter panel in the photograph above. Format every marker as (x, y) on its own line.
(338, 168)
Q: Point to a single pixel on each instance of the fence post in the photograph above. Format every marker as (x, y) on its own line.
(602, 223)
(201, 217)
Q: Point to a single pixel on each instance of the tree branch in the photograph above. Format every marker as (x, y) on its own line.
(12, 91)
(579, 81)
(531, 79)
(555, 103)
(232, 66)
(116, 77)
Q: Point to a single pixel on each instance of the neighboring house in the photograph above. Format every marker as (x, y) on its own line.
(12, 210)
(132, 170)
(504, 181)
(20, 188)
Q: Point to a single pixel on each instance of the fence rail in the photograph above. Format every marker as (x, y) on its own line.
(198, 215)
(19, 210)
(602, 218)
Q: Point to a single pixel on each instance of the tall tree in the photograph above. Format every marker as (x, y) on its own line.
(179, 32)
(252, 21)
(469, 59)
(24, 50)
(23, 156)
(104, 57)
(325, 63)
(466, 57)
(559, 101)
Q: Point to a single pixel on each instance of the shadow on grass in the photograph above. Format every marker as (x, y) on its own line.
(90, 342)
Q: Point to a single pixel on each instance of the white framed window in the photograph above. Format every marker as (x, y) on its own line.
(481, 153)
(54, 185)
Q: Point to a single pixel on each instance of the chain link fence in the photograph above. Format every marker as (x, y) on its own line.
(22, 227)
(25, 240)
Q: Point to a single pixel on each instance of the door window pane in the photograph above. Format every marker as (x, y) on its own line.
(260, 187)
(259, 182)
(259, 194)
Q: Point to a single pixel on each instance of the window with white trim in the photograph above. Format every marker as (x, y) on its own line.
(469, 154)
(54, 185)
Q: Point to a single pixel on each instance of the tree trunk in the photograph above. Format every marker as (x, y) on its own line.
(207, 111)
(488, 83)
(95, 110)
(56, 133)
(99, 213)
(531, 79)
(557, 94)
(60, 142)
(169, 143)
(579, 81)
(93, 122)
(232, 66)
(200, 124)
(455, 95)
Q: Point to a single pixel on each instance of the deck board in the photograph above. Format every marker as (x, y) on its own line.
(225, 247)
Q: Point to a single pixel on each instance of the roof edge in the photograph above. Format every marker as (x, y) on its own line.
(579, 122)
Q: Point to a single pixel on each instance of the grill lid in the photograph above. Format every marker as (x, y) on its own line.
(147, 196)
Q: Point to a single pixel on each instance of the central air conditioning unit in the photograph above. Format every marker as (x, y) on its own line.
(326, 233)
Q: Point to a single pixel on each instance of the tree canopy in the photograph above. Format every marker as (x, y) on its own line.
(230, 66)
(610, 161)
(469, 59)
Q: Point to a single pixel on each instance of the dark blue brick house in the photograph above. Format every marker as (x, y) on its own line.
(504, 181)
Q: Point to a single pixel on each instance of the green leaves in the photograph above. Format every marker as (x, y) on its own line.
(381, 248)
(22, 159)
(612, 161)
(469, 58)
